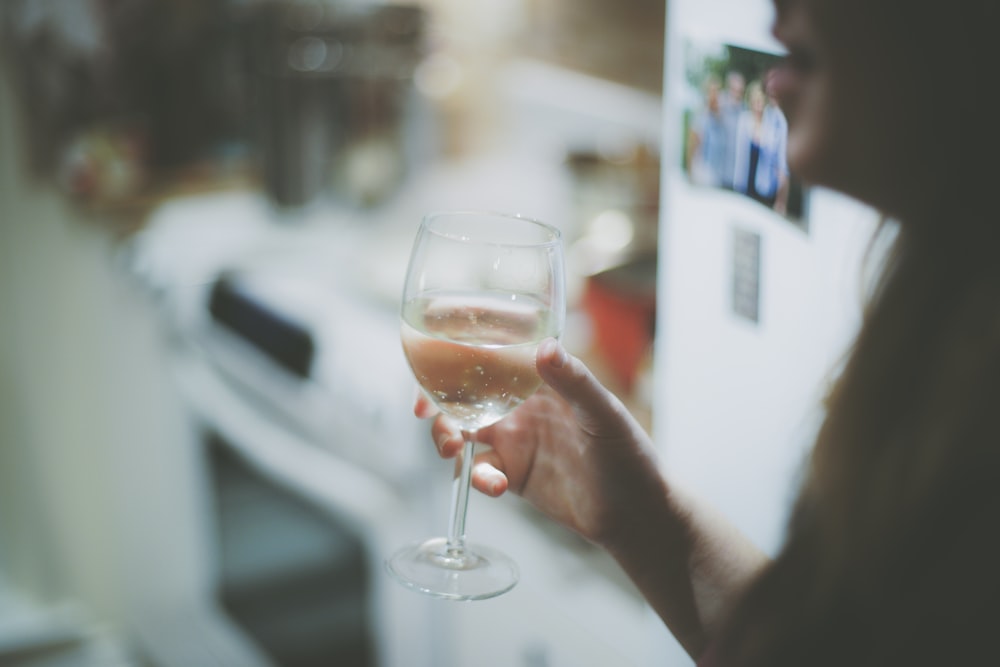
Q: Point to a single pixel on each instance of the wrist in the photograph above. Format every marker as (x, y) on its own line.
(643, 509)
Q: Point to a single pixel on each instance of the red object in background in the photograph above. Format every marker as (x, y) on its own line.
(621, 303)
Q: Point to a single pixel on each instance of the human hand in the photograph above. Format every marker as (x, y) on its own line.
(572, 449)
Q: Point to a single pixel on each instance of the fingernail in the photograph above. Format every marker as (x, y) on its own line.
(441, 441)
(496, 480)
(559, 357)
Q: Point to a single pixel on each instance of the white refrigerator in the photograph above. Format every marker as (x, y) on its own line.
(756, 307)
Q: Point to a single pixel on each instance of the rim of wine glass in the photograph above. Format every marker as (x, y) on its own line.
(556, 235)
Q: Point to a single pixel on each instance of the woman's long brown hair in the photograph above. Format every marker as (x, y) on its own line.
(892, 554)
(893, 551)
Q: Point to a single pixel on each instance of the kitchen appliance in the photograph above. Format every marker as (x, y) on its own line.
(306, 461)
(755, 310)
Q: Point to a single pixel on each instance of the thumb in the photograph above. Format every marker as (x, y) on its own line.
(575, 383)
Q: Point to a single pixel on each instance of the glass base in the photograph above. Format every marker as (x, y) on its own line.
(475, 572)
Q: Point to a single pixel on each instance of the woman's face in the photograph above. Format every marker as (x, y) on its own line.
(838, 110)
(756, 99)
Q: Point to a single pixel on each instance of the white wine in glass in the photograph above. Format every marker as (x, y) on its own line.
(482, 291)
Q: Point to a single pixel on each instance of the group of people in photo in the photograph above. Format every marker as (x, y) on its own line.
(737, 140)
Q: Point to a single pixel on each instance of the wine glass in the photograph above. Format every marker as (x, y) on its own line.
(482, 291)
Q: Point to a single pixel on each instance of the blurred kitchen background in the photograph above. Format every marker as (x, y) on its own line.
(207, 443)
(206, 439)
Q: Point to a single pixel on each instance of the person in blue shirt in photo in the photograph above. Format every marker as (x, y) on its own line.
(761, 170)
(708, 161)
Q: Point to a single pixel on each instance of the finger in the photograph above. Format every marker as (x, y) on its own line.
(422, 407)
(447, 439)
(486, 475)
(576, 384)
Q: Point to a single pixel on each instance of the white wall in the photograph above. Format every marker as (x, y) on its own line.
(737, 403)
(91, 457)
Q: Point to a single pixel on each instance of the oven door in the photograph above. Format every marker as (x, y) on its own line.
(294, 541)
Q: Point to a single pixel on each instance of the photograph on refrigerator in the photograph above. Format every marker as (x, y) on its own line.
(734, 133)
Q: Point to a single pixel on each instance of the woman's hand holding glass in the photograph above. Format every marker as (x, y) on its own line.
(572, 450)
(483, 306)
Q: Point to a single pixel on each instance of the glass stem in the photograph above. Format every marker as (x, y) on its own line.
(460, 498)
